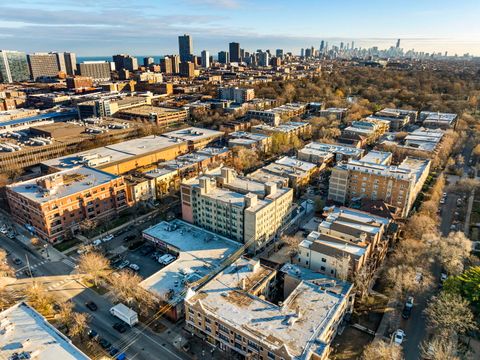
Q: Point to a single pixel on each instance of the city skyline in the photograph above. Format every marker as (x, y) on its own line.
(108, 27)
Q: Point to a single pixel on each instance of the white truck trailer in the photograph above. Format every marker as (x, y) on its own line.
(125, 314)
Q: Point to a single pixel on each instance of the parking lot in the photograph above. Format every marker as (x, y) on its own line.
(148, 265)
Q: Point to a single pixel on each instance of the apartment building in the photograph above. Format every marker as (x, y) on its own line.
(337, 113)
(237, 95)
(421, 142)
(108, 106)
(249, 140)
(289, 128)
(236, 207)
(396, 185)
(276, 115)
(43, 65)
(160, 116)
(97, 70)
(437, 120)
(196, 138)
(55, 205)
(292, 172)
(13, 66)
(343, 243)
(320, 153)
(371, 129)
(236, 311)
(398, 118)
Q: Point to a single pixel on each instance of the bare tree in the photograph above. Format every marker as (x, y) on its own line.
(342, 266)
(454, 250)
(5, 269)
(79, 325)
(292, 242)
(65, 314)
(440, 348)
(39, 299)
(449, 313)
(362, 280)
(94, 266)
(7, 297)
(380, 350)
(419, 225)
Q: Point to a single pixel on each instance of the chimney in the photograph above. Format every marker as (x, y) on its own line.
(250, 200)
(205, 185)
(270, 188)
(227, 175)
(244, 285)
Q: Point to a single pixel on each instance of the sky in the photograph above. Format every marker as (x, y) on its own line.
(151, 27)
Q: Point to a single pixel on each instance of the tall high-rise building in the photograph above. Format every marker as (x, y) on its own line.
(205, 59)
(234, 49)
(353, 45)
(187, 69)
(176, 63)
(302, 52)
(43, 65)
(341, 45)
(167, 64)
(126, 62)
(223, 57)
(322, 45)
(13, 66)
(185, 47)
(97, 70)
(308, 53)
(398, 43)
(264, 58)
(279, 53)
(147, 61)
(70, 63)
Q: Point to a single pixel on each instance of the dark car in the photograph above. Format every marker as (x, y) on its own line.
(120, 327)
(17, 261)
(113, 351)
(104, 343)
(130, 237)
(406, 312)
(91, 305)
(92, 334)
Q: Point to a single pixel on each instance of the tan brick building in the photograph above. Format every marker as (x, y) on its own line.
(395, 185)
(55, 205)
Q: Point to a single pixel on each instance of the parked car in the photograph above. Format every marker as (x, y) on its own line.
(97, 242)
(121, 327)
(3, 229)
(113, 351)
(123, 264)
(399, 336)
(107, 238)
(17, 261)
(104, 343)
(134, 267)
(91, 305)
(407, 308)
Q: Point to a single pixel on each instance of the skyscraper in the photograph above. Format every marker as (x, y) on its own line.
(398, 43)
(223, 57)
(302, 52)
(13, 66)
(279, 53)
(127, 62)
(234, 49)
(322, 45)
(43, 64)
(97, 70)
(187, 69)
(205, 59)
(353, 44)
(70, 63)
(147, 61)
(167, 64)
(185, 47)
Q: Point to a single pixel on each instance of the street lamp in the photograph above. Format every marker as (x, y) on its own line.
(46, 250)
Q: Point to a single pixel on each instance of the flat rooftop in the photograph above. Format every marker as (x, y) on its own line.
(200, 252)
(74, 180)
(296, 324)
(296, 164)
(148, 109)
(377, 157)
(335, 149)
(23, 330)
(117, 152)
(193, 134)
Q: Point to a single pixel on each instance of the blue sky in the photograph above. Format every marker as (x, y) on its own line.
(151, 27)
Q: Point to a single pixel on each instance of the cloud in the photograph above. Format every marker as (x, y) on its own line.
(228, 4)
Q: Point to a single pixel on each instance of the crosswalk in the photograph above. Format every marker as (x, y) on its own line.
(32, 266)
(58, 284)
(69, 263)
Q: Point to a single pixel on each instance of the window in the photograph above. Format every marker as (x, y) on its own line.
(322, 268)
(223, 337)
(324, 260)
(271, 355)
(252, 345)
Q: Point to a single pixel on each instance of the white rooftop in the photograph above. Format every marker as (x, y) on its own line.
(116, 152)
(296, 325)
(75, 180)
(193, 134)
(377, 157)
(23, 330)
(200, 252)
(333, 148)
